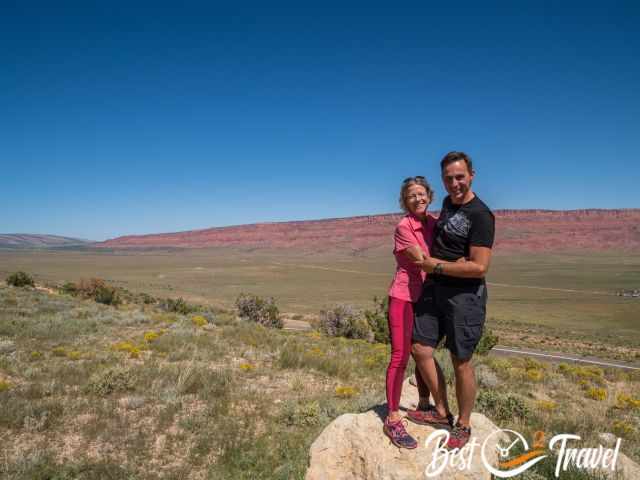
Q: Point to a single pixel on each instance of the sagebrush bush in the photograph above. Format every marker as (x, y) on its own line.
(304, 414)
(20, 279)
(345, 321)
(178, 305)
(501, 407)
(94, 288)
(378, 319)
(487, 342)
(260, 310)
(116, 379)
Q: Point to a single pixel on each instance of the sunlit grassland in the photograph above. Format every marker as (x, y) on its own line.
(305, 282)
(94, 391)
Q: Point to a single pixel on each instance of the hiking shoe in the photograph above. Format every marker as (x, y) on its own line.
(458, 437)
(430, 417)
(398, 435)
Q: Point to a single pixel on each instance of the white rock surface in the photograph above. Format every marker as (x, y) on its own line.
(353, 447)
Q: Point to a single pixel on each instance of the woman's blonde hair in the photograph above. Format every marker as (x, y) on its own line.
(408, 182)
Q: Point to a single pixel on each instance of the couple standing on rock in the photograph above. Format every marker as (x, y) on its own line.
(438, 292)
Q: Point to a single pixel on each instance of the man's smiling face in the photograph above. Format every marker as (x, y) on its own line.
(457, 181)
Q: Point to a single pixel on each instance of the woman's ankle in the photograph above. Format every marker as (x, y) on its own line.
(393, 417)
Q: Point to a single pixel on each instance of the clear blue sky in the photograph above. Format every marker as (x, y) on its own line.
(139, 117)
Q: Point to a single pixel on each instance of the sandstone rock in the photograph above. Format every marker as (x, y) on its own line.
(625, 469)
(353, 447)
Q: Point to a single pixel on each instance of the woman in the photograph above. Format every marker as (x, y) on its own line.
(412, 237)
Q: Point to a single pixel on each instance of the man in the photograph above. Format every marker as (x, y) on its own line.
(453, 301)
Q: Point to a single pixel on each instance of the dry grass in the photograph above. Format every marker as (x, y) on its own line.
(93, 391)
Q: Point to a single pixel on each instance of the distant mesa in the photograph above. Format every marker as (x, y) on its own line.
(517, 230)
(23, 240)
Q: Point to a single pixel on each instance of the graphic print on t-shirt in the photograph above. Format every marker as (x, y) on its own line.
(458, 225)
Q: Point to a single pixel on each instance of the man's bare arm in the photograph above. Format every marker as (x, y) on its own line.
(476, 266)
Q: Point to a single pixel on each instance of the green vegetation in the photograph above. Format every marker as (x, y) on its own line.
(377, 318)
(260, 310)
(345, 321)
(581, 316)
(20, 279)
(131, 391)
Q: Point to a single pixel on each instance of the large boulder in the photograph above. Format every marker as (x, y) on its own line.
(353, 447)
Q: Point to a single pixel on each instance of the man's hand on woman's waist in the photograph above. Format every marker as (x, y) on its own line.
(476, 266)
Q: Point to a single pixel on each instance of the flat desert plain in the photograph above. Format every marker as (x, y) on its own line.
(535, 298)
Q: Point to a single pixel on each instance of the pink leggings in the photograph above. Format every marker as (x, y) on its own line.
(401, 330)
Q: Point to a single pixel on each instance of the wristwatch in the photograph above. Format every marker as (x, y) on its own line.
(438, 269)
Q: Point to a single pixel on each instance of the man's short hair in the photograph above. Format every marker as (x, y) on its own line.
(456, 157)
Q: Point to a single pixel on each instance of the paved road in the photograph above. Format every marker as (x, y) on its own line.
(503, 351)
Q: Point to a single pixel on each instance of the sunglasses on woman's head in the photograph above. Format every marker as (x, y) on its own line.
(413, 179)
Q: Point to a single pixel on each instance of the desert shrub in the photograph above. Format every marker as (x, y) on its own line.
(69, 288)
(177, 305)
(116, 379)
(546, 405)
(128, 347)
(378, 319)
(582, 373)
(246, 367)
(596, 393)
(624, 401)
(345, 391)
(486, 377)
(623, 429)
(20, 279)
(107, 296)
(301, 414)
(502, 407)
(199, 320)
(487, 342)
(345, 321)
(94, 288)
(259, 310)
(208, 383)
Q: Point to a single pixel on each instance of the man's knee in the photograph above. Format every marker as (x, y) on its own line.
(462, 364)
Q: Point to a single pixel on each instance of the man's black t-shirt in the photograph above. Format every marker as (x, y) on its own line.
(460, 227)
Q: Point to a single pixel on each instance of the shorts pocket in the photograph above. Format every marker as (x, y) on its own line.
(468, 313)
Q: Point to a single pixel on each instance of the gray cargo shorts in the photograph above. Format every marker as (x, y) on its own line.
(456, 313)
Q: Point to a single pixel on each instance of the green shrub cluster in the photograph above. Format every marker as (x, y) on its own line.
(305, 414)
(502, 407)
(116, 379)
(260, 310)
(345, 321)
(20, 279)
(487, 342)
(377, 318)
(177, 305)
(94, 288)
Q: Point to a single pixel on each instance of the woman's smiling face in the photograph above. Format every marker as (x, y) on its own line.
(417, 200)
